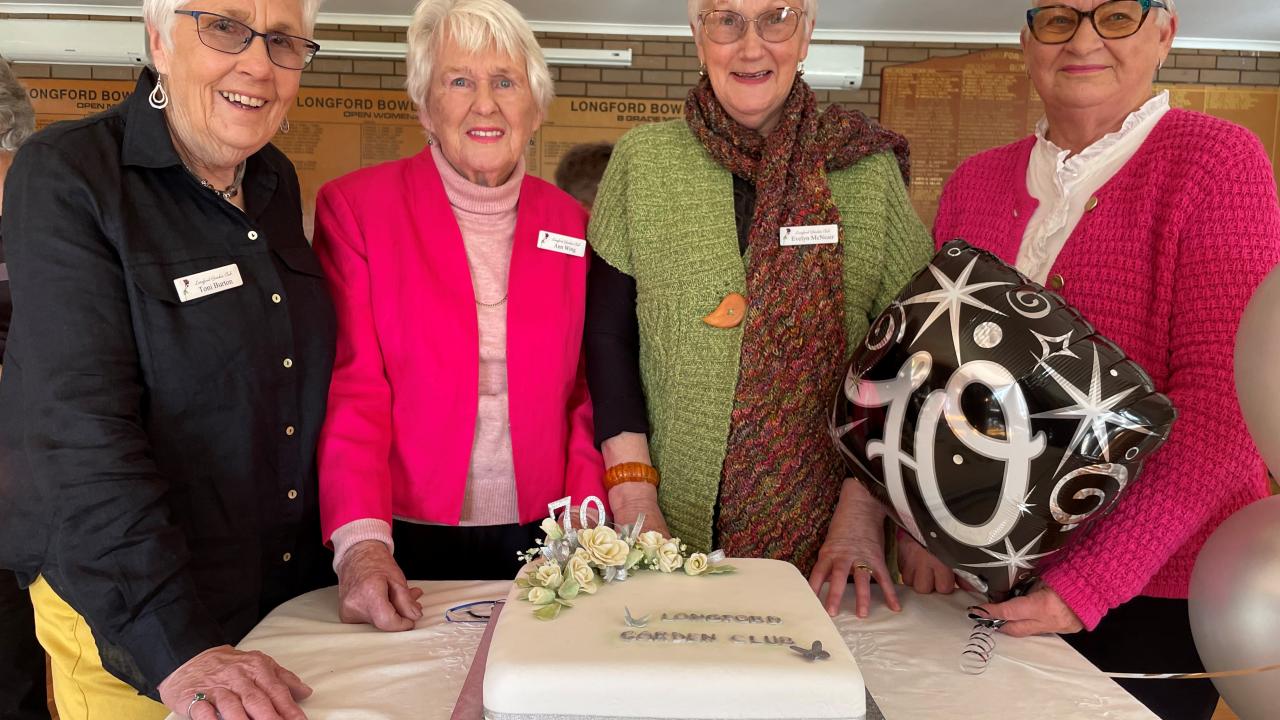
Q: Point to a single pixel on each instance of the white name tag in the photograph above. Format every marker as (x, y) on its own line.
(795, 235)
(562, 244)
(209, 282)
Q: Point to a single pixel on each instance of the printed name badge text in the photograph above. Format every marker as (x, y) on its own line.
(562, 244)
(797, 235)
(209, 282)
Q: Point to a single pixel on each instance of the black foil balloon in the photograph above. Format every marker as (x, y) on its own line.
(991, 419)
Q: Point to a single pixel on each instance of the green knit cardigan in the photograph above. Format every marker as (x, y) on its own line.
(664, 215)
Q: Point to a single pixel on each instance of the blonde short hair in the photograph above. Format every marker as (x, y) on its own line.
(159, 14)
(810, 12)
(474, 25)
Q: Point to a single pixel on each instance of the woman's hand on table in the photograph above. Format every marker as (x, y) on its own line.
(237, 686)
(1038, 613)
(921, 570)
(854, 544)
(372, 589)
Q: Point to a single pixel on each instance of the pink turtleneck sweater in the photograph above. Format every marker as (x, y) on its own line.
(487, 218)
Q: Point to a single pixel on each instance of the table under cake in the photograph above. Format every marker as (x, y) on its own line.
(910, 661)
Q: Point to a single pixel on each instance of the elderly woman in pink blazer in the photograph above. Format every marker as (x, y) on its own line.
(458, 408)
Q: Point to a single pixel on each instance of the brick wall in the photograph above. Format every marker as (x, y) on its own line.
(665, 67)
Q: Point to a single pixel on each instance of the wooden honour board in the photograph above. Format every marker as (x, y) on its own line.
(951, 108)
(335, 131)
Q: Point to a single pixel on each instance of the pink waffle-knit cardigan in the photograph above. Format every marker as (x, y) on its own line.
(1163, 266)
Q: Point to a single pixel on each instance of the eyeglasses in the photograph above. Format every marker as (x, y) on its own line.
(477, 613)
(1057, 24)
(724, 27)
(230, 36)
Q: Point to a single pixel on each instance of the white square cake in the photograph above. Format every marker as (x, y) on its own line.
(737, 645)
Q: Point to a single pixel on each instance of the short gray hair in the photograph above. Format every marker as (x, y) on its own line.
(17, 117)
(159, 14)
(1171, 11)
(474, 25)
(810, 12)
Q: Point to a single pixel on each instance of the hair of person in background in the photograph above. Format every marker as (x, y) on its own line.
(580, 171)
(475, 26)
(1171, 11)
(159, 14)
(810, 8)
(17, 116)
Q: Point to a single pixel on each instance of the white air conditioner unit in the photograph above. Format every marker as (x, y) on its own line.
(73, 42)
(94, 42)
(834, 67)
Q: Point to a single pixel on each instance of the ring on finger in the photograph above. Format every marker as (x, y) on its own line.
(199, 698)
(864, 566)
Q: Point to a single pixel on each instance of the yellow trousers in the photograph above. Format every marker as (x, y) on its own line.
(82, 689)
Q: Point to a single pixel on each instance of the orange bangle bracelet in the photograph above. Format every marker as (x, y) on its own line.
(630, 472)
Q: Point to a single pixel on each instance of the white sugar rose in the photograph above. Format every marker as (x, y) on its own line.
(603, 546)
(552, 529)
(668, 556)
(649, 542)
(696, 564)
(548, 576)
(541, 596)
(579, 568)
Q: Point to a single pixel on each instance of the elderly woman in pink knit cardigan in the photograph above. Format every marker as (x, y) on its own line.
(1157, 224)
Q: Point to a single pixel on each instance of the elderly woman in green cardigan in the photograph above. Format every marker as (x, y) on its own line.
(741, 254)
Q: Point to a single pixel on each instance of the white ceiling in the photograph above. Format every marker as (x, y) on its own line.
(1218, 24)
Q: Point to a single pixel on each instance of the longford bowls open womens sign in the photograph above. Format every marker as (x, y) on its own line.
(335, 131)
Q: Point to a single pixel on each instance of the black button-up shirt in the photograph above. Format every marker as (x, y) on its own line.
(157, 456)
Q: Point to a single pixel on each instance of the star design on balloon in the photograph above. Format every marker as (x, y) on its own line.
(838, 433)
(1013, 559)
(1024, 507)
(950, 297)
(1094, 412)
(1053, 346)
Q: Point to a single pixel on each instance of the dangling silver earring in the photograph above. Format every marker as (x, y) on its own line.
(430, 141)
(800, 69)
(284, 126)
(702, 70)
(158, 99)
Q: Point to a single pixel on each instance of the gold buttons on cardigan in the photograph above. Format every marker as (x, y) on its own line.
(730, 312)
(1093, 203)
(1056, 282)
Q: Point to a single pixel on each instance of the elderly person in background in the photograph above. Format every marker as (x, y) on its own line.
(22, 678)
(165, 377)
(1157, 224)
(447, 438)
(741, 254)
(581, 169)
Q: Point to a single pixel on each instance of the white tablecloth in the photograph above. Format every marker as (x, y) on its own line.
(909, 660)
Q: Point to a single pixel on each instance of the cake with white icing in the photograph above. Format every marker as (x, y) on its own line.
(755, 643)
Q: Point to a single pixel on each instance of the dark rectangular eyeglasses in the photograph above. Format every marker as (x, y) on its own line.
(1057, 24)
(231, 36)
(724, 27)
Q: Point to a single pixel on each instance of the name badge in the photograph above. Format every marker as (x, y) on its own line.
(209, 282)
(796, 235)
(562, 244)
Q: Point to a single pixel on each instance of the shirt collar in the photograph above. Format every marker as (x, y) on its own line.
(1157, 104)
(146, 133)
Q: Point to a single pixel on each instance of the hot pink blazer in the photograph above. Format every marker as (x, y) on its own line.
(402, 406)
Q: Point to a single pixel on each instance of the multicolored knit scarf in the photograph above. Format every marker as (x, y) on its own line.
(782, 475)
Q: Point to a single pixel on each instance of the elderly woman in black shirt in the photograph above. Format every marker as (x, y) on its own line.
(166, 375)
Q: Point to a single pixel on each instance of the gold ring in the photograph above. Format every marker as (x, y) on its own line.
(864, 566)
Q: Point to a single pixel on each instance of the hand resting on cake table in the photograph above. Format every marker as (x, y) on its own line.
(372, 589)
(854, 544)
(921, 570)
